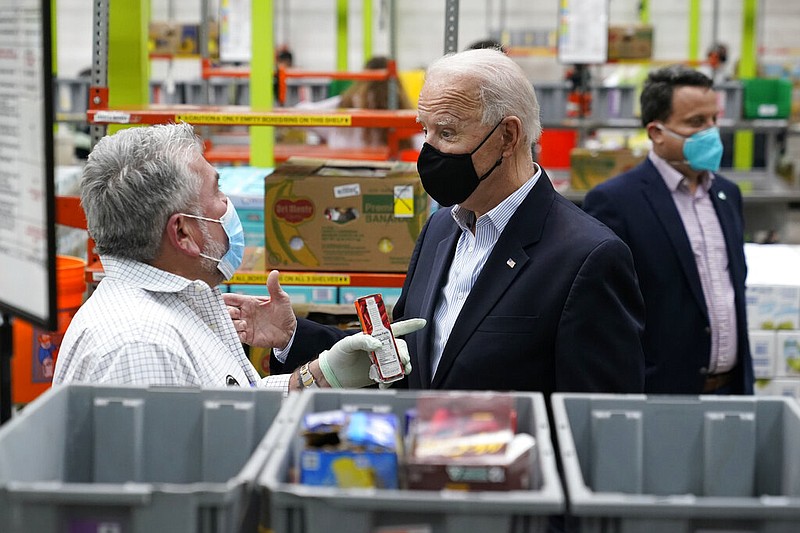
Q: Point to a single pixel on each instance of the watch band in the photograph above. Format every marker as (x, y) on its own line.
(307, 379)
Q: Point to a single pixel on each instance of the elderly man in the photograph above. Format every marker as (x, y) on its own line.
(520, 288)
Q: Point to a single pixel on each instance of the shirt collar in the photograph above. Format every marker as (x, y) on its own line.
(672, 178)
(144, 276)
(502, 212)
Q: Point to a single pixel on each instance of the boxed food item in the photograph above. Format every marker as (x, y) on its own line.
(788, 353)
(350, 449)
(763, 350)
(362, 216)
(630, 41)
(773, 306)
(460, 443)
(590, 167)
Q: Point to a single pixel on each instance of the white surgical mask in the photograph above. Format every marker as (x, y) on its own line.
(232, 225)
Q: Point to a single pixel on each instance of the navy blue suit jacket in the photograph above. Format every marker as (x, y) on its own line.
(555, 308)
(638, 206)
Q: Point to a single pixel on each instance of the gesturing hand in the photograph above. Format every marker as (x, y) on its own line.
(261, 321)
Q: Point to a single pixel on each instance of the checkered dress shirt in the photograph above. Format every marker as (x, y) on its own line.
(145, 326)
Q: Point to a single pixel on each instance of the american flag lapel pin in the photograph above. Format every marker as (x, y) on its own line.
(511, 263)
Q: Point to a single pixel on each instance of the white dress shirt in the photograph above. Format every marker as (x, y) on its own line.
(145, 326)
(472, 251)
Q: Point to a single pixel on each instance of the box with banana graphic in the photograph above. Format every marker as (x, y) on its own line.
(332, 215)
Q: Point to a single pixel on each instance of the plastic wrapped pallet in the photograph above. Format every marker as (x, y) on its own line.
(136, 460)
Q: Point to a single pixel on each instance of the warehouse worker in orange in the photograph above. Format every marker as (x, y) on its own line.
(167, 237)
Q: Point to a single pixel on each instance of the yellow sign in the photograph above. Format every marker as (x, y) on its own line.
(249, 278)
(260, 278)
(266, 119)
(315, 279)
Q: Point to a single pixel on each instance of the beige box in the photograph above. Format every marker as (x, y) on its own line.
(630, 42)
(338, 215)
(164, 38)
(591, 167)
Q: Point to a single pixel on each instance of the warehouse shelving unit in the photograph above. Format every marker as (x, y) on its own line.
(102, 114)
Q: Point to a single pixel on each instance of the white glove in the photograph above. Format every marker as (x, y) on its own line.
(348, 365)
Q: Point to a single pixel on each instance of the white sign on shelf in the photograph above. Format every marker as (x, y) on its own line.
(583, 31)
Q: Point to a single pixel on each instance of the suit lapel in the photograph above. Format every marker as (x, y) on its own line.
(506, 261)
(660, 198)
(727, 221)
(438, 277)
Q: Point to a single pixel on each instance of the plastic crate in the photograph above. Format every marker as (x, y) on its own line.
(613, 102)
(136, 460)
(680, 463)
(767, 98)
(552, 98)
(295, 508)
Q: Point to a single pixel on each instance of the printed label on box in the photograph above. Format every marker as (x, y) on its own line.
(346, 191)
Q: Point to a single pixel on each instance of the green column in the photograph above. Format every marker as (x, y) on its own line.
(644, 11)
(128, 59)
(694, 30)
(341, 34)
(748, 68)
(262, 68)
(367, 25)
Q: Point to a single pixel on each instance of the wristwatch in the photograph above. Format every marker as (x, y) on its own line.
(307, 379)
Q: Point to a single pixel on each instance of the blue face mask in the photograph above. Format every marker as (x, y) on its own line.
(703, 150)
(232, 260)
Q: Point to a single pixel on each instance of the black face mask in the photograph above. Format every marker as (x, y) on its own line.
(451, 178)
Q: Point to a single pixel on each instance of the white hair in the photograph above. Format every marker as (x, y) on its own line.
(504, 89)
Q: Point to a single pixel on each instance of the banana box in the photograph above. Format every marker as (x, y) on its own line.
(340, 215)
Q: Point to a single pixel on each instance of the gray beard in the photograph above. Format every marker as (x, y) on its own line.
(211, 249)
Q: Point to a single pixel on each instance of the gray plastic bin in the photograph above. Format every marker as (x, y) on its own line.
(680, 464)
(86, 458)
(296, 508)
(613, 102)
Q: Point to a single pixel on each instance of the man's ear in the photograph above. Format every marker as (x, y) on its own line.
(183, 236)
(512, 135)
(654, 133)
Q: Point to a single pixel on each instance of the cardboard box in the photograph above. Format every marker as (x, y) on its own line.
(630, 42)
(164, 38)
(590, 167)
(172, 38)
(773, 306)
(788, 353)
(343, 215)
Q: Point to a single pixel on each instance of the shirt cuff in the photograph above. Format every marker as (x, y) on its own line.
(281, 354)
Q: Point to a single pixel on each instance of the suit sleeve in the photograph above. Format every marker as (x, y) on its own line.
(598, 204)
(599, 342)
(310, 340)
